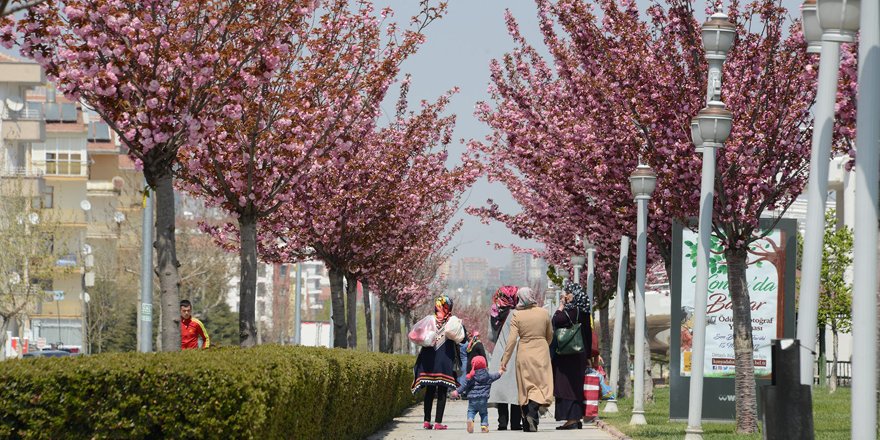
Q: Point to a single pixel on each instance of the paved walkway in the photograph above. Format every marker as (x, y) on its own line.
(409, 427)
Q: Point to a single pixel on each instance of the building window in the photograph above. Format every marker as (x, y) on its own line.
(261, 290)
(64, 163)
(48, 197)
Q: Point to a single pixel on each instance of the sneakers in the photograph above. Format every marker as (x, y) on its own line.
(439, 426)
(484, 429)
(427, 425)
(470, 426)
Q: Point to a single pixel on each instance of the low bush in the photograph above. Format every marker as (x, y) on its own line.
(266, 392)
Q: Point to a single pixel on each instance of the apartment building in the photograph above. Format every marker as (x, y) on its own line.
(76, 178)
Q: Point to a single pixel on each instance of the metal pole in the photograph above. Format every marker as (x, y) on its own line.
(297, 306)
(694, 430)
(638, 412)
(591, 257)
(611, 406)
(864, 308)
(145, 344)
(701, 294)
(817, 195)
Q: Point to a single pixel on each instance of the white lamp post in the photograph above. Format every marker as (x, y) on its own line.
(564, 274)
(642, 182)
(145, 326)
(577, 262)
(590, 248)
(839, 20)
(709, 130)
(611, 406)
(864, 360)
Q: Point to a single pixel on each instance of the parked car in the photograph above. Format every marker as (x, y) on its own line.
(46, 353)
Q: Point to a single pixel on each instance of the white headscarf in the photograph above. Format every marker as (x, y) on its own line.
(526, 297)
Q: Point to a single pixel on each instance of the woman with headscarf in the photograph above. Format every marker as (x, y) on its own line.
(435, 368)
(530, 334)
(504, 395)
(568, 369)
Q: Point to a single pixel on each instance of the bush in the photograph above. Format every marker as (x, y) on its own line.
(266, 392)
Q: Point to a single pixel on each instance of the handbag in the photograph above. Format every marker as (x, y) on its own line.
(569, 339)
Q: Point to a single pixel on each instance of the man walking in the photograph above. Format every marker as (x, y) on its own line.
(191, 329)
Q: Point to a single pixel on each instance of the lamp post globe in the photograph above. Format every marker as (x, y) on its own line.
(812, 29)
(578, 260)
(718, 35)
(839, 19)
(642, 182)
(713, 124)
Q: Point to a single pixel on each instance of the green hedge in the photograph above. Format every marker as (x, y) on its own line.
(265, 392)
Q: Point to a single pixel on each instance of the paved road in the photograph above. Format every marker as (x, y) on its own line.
(409, 427)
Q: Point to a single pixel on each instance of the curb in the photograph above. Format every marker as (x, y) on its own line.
(611, 430)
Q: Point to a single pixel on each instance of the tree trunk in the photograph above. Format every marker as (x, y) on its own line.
(166, 261)
(605, 337)
(832, 387)
(385, 343)
(4, 325)
(247, 291)
(351, 309)
(624, 385)
(746, 400)
(368, 316)
(340, 330)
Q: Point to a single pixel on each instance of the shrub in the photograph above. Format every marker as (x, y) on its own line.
(266, 392)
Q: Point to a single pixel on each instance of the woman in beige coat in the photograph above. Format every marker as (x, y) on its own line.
(530, 325)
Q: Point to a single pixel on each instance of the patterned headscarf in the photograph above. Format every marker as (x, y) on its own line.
(442, 309)
(473, 340)
(526, 297)
(505, 298)
(580, 302)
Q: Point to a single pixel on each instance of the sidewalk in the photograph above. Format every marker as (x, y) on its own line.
(408, 426)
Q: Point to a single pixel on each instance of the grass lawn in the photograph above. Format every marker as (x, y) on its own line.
(831, 418)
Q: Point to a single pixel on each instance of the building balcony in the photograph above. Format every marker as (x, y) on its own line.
(100, 188)
(22, 181)
(27, 74)
(27, 125)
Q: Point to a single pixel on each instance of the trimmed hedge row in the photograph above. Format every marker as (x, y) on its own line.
(265, 392)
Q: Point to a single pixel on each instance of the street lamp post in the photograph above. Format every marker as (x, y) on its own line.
(564, 275)
(642, 182)
(591, 269)
(838, 24)
(145, 324)
(611, 406)
(864, 308)
(577, 262)
(709, 130)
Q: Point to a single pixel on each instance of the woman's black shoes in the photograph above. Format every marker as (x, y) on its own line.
(569, 426)
(580, 425)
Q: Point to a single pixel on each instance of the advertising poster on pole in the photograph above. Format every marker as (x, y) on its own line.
(770, 278)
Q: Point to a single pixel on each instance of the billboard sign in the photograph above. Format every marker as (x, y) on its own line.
(770, 278)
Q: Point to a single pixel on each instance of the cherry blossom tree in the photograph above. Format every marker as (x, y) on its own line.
(160, 73)
(647, 80)
(377, 211)
(325, 90)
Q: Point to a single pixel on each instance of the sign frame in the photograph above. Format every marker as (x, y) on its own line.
(719, 394)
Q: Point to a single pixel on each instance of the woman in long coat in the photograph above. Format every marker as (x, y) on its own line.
(568, 369)
(504, 394)
(435, 369)
(530, 328)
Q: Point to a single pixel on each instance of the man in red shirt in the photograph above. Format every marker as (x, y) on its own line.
(191, 329)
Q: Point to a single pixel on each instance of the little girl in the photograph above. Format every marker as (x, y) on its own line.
(479, 382)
